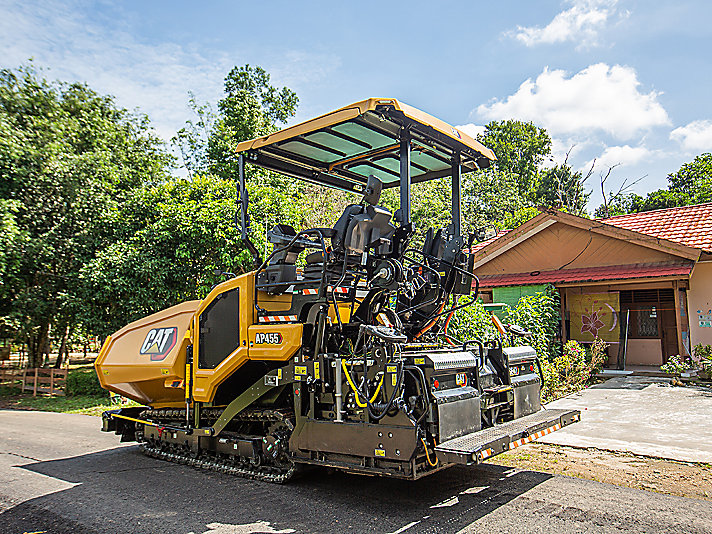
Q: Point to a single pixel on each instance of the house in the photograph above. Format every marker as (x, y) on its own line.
(642, 282)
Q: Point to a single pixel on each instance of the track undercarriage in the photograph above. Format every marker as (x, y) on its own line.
(264, 429)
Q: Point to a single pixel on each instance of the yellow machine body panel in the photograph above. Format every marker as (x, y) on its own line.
(275, 342)
(145, 360)
(207, 379)
(274, 303)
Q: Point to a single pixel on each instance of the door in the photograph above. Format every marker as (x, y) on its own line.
(669, 333)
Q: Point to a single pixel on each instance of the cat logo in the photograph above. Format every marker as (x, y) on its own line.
(159, 342)
(461, 379)
(268, 338)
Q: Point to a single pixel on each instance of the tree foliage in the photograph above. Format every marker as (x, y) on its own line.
(68, 157)
(563, 188)
(691, 184)
(520, 148)
(250, 108)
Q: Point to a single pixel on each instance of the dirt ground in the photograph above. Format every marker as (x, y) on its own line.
(622, 469)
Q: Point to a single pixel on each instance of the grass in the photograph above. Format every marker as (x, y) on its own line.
(12, 398)
(83, 404)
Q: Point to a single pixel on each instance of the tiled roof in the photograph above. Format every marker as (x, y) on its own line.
(688, 225)
(483, 244)
(590, 274)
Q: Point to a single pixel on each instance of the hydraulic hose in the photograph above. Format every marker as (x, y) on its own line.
(447, 323)
(431, 323)
(396, 389)
(427, 455)
(357, 391)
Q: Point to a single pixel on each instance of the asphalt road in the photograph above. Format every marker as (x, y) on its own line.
(60, 474)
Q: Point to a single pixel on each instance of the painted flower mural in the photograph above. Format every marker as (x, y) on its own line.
(591, 323)
(594, 315)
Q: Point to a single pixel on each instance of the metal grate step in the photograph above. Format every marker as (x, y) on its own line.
(478, 446)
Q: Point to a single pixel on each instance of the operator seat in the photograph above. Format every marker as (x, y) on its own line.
(360, 227)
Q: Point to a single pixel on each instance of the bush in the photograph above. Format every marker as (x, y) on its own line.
(573, 369)
(538, 314)
(703, 354)
(675, 365)
(83, 382)
(565, 370)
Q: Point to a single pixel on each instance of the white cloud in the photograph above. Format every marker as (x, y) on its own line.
(600, 98)
(694, 137)
(620, 155)
(471, 129)
(91, 46)
(581, 23)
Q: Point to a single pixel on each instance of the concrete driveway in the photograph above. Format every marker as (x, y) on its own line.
(641, 415)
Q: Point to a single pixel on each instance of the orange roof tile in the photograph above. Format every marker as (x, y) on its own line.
(483, 244)
(689, 225)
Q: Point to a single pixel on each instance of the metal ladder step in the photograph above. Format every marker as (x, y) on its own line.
(478, 446)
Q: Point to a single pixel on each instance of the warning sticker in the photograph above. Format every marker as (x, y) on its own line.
(300, 369)
(380, 452)
(316, 370)
(419, 361)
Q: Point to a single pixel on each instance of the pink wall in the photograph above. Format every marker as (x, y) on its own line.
(644, 352)
(699, 302)
(640, 352)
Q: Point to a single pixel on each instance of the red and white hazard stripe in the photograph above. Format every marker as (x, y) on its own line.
(340, 290)
(278, 319)
(486, 454)
(337, 290)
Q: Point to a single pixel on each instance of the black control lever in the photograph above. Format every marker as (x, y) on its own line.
(389, 335)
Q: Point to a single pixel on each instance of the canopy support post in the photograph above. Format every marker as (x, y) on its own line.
(456, 196)
(242, 204)
(405, 176)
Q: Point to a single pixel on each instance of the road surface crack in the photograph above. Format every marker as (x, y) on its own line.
(22, 456)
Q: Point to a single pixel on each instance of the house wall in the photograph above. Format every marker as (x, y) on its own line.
(561, 245)
(644, 352)
(699, 303)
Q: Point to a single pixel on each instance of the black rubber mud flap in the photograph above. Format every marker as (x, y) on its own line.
(478, 446)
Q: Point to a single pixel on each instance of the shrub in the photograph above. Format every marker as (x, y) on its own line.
(675, 365)
(83, 382)
(565, 369)
(573, 369)
(538, 314)
(703, 354)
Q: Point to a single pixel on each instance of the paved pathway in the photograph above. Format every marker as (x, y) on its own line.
(642, 415)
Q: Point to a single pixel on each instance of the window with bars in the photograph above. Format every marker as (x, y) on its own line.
(645, 307)
(644, 321)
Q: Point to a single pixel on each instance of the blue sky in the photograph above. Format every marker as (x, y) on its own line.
(624, 82)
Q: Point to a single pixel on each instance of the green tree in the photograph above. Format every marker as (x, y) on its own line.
(250, 108)
(490, 197)
(563, 188)
(691, 184)
(693, 181)
(68, 158)
(520, 148)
